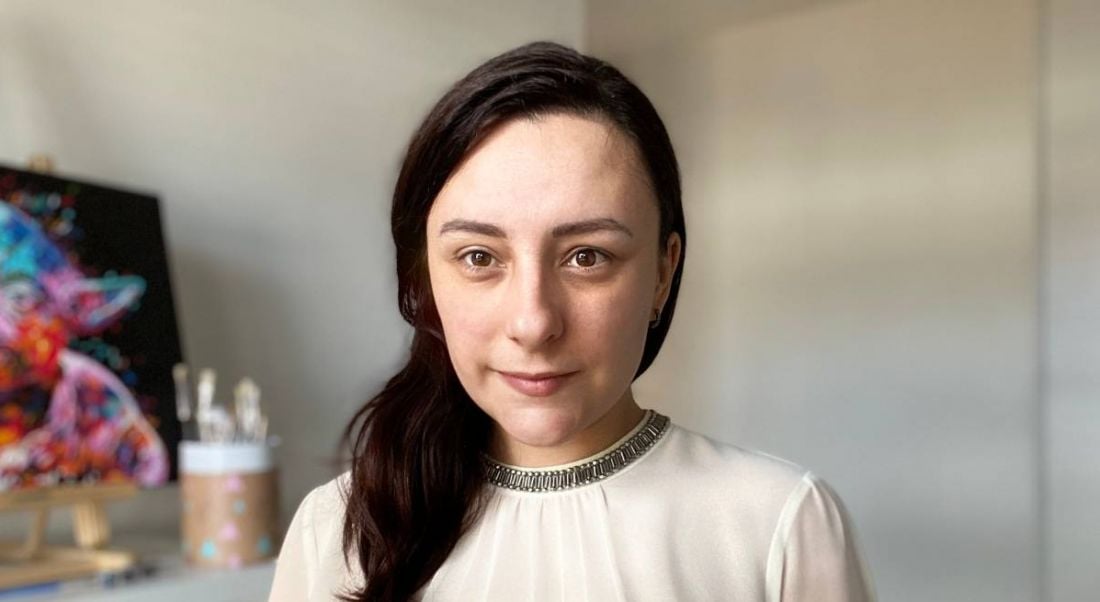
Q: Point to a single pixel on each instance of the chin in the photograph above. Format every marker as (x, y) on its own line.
(541, 426)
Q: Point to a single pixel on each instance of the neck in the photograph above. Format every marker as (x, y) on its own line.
(609, 428)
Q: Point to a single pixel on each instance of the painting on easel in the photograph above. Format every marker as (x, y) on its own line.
(88, 336)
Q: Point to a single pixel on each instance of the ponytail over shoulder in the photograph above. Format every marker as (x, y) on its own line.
(417, 481)
(416, 477)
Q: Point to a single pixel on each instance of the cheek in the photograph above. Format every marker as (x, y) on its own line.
(466, 319)
(612, 325)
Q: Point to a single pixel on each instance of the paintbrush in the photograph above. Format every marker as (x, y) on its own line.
(251, 423)
(207, 378)
(183, 403)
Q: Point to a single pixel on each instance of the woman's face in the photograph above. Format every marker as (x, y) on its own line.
(544, 259)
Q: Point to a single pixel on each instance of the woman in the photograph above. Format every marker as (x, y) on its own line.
(540, 243)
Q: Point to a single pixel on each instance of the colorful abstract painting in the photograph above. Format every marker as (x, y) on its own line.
(88, 335)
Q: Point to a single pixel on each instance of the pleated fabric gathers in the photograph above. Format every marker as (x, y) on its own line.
(662, 514)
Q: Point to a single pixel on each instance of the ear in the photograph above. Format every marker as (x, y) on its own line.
(96, 303)
(666, 268)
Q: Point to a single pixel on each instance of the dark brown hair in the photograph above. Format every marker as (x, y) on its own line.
(416, 476)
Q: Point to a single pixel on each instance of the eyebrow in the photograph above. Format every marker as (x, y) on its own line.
(559, 231)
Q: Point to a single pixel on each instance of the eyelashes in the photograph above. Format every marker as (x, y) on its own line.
(600, 258)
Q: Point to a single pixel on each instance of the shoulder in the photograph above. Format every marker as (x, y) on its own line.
(310, 543)
(322, 509)
(696, 459)
(740, 483)
(311, 563)
(330, 496)
(318, 522)
(779, 506)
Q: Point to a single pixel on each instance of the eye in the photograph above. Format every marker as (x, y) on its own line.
(476, 260)
(586, 260)
(589, 259)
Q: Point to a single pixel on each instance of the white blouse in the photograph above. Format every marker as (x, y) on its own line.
(682, 518)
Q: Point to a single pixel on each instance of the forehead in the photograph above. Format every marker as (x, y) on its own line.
(540, 171)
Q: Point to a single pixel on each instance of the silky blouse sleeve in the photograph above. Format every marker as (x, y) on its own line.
(296, 566)
(815, 554)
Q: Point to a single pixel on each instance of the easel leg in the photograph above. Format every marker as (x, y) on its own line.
(36, 537)
(90, 527)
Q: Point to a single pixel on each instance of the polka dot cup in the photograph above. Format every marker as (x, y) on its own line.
(229, 496)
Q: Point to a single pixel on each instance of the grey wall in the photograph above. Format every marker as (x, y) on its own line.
(893, 260)
(272, 131)
(861, 275)
(1071, 293)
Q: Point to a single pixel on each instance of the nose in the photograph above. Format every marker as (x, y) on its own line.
(535, 316)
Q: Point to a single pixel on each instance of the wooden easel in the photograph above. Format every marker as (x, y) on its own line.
(31, 561)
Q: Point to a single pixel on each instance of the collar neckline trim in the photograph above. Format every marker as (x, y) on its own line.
(619, 455)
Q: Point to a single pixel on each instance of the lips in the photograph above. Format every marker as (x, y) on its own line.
(538, 384)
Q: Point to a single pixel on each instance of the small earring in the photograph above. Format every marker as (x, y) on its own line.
(656, 318)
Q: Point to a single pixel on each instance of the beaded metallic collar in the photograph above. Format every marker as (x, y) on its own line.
(654, 425)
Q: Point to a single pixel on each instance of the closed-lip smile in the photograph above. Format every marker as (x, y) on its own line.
(536, 384)
(534, 375)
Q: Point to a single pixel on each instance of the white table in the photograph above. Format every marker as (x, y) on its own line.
(173, 580)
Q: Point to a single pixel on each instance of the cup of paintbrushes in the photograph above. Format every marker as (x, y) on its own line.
(230, 502)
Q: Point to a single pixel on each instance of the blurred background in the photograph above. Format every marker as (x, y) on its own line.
(893, 276)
